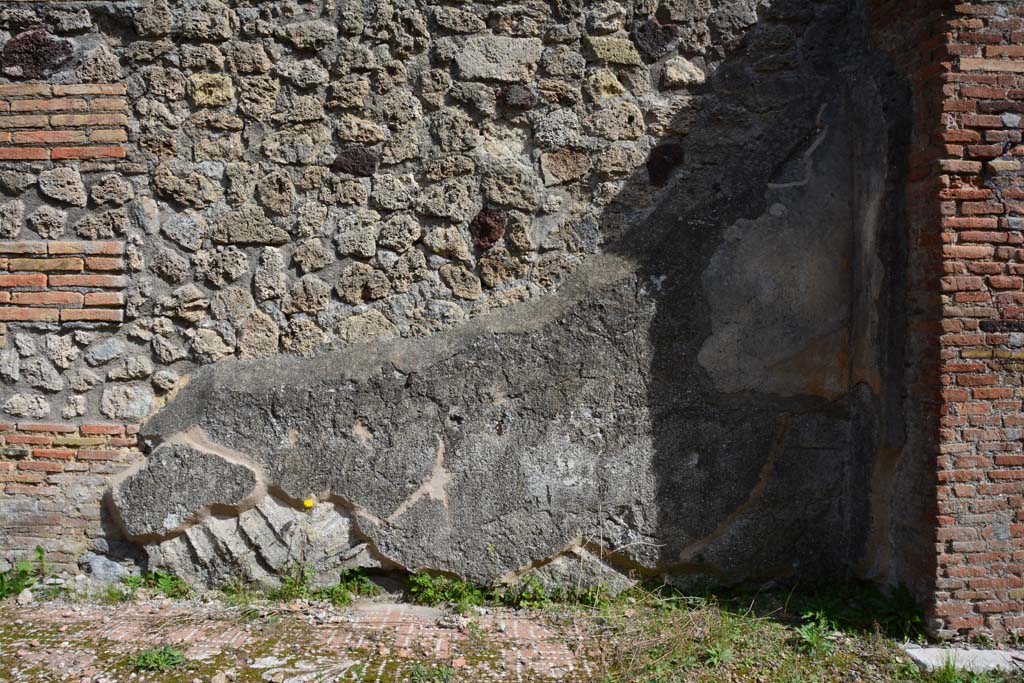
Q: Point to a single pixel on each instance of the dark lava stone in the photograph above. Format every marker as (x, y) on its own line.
(356, 160)
(487, 228)
(653, 39)
(662, 160)
(34, 54)
(518, 97)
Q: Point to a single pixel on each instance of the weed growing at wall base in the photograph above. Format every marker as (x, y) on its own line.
(296, 585)
(426, 589)
(663, 636)
(23, 575)
(16, 579)
(430, 590)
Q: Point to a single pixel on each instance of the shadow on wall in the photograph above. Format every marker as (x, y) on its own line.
(777, 260)
(746, 372)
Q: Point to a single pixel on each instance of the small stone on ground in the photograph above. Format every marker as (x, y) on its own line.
(968, 659)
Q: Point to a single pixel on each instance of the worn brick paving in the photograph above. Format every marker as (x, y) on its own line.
(370, 641)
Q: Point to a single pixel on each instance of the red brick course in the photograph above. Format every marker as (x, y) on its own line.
(41, 122)
(58, 281)
(52, 478)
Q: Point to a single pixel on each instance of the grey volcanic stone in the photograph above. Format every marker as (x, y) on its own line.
(357, 233)
(111, 189)
(127, 402)
(248, 225)
(48, 222)
(39, 373)
(176, 483)
(63, 184)
(270, 280)
(11, 215)
(154, 19)
(104, 351)
(305, 73)
(310, 35)
(187, 229)
(498, 58)
(190, 189)
(10, 365)
(102, 568)
(511, 185)
(70, 22)
(26, 405)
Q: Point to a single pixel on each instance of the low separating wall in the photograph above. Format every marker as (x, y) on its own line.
(587, 290)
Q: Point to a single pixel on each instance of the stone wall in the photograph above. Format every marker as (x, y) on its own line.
(591, 290)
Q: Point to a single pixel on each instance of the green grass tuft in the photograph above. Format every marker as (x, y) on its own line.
(419, 673)
(161, 658)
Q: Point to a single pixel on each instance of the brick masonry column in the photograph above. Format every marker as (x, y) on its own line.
(980, 492)
(52, 478)
(64, 269)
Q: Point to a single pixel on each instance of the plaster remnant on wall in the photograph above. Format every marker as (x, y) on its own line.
(434, 487)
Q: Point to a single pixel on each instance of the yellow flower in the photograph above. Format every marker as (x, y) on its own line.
(308, 503)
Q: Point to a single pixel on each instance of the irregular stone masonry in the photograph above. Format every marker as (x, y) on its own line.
(980, 537)
(52, 477)
(73, 121)
(281, 191)
(66, 282)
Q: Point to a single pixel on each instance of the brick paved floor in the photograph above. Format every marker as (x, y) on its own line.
(370, 641)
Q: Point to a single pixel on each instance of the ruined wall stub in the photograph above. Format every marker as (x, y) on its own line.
(640, 284)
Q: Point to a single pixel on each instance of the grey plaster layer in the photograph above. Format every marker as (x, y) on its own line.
(176, 484)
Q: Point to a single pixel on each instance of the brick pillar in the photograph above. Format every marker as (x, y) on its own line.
(980, 492)
(52, 477)
(55, 280)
